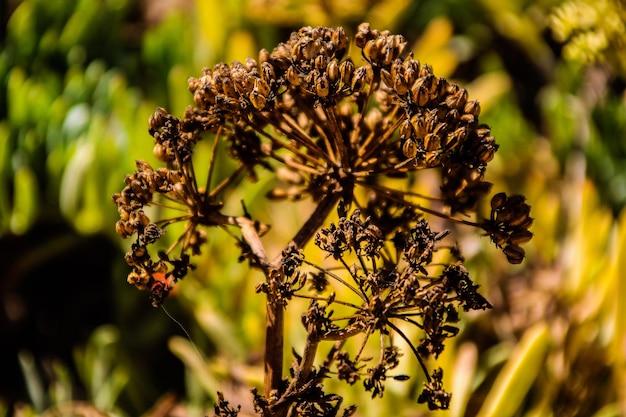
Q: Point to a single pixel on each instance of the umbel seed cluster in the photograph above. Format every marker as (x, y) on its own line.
(337, 123)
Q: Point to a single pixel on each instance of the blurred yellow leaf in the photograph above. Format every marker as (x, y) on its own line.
(432, 47)
(518, 374)
(241, 45)
(196, 364)
(25, 200)
(488, 88)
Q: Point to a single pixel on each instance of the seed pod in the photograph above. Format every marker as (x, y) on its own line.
(241, 83)
(504, 215)
(123, 212)
(143, 165)
(139, 252)
(453, 139)
(419, 126)
(433, 159)
(431, 142)
(159, 152)
(157, 119)
(332, 70)
(346, 69)
(310, 50)
(387, 78)
(520, 236)
(406, 129)
(221, 69)
(483, 131)
(457, 100)
(321, 63)
(198, 99)
(425, 71)
(498, 201)
(440, 129)
(520, 218)
(514, 254)
(339, 38)
(267, 72)
(467, 119)
(121, 230)
(238, 73)
(440, 87)
(409, 148)
(363, 35)
(133, 278)
(420, 94)
(173, 176)
(397, 69)
(499, 237)
(371, 51)
(264, 55)
(193, 84)
(359, 79)
(400, 86)
(390, 51)
(296, 51)
(261, 87)
(228, 87)
(257, 100)
(472, 107)
(292, 76)
(411, 71)
(452, 117)
(321, 85)
(310, 78)
(486, 152)
(453, 88)
(162, 173)
(251, 64)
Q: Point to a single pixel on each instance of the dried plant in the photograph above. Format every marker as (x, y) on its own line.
(339, 134)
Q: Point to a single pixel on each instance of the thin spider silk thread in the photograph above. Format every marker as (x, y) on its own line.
(200, 355)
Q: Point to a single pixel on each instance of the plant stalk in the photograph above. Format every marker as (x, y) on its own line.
(274, 322)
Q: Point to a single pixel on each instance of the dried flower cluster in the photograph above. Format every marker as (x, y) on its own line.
(333, 131)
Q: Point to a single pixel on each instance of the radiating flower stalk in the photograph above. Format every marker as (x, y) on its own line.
(334, 132)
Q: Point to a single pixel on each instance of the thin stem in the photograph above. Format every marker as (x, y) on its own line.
(394, 195)
(316, 298)
(338, 278)
(300, 136)
(333, 126)
(368, 332)
(286, 145)
(316, 220)
(209, 179)
(226, 181)
(413, 348)
(365, 150)
(293, 164)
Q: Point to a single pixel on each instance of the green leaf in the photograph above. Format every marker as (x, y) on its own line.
(25, 200)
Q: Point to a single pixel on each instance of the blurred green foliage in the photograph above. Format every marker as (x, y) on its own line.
(79, 79)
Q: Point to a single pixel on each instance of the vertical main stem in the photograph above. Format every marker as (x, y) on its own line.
(274, 324)
(275, 318)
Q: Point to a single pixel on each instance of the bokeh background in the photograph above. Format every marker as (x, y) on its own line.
(78, 81)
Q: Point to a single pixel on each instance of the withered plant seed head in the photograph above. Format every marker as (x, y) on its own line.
(336, 122)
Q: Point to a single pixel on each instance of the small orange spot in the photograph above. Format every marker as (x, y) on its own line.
(167, 281)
